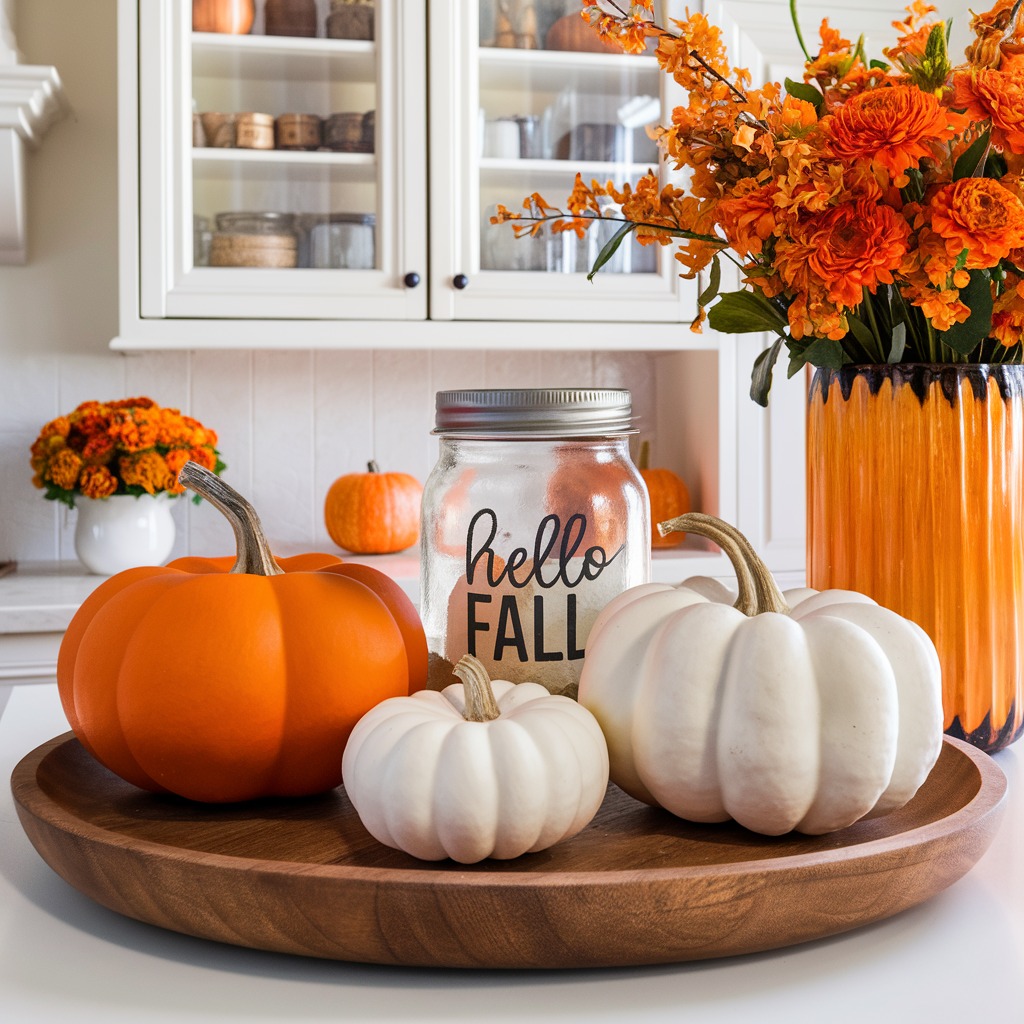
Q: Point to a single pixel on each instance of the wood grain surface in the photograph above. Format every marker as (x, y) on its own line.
(637, 886)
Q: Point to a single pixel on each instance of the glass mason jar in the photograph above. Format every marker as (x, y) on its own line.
(534, 518)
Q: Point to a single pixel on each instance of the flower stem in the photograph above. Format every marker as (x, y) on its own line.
(796, 28)
(876, 333)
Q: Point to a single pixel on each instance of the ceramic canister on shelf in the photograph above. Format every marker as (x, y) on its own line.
(343, 132)
(369, 131)
(533, 519)
(218, 129)
(290, 18)
(234, 17)
(254, 131)
(298, 131)
(351, 19)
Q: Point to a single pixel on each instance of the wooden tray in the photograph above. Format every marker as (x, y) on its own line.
(637, 886)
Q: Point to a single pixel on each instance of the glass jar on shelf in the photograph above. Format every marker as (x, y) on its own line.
(254, 239)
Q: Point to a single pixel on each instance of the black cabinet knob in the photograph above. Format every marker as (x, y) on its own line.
(411, 280)
(460, 281)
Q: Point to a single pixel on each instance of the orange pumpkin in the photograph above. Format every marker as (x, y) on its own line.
(224, 685)
(231, 16)
(374, 513)
(670, 497)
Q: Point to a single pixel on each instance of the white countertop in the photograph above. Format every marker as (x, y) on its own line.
(41, 597)
(959, 957)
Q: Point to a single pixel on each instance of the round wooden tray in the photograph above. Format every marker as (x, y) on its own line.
(637, 886)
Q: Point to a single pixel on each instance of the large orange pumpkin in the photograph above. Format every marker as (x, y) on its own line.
(374, 513)
(223, 685)
(670, 498)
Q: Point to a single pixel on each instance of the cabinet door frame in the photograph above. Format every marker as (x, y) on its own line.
(159, 283)
(494, 295)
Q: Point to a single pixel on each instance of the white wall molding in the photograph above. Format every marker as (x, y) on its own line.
(31, 99)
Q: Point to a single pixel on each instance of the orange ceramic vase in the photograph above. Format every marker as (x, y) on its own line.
(915, 497)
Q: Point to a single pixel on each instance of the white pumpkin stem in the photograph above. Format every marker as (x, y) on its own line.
(476, 685)
(758, 591)
(254, 557)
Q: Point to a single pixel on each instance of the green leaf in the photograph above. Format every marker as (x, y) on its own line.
(714, 282)
(805, 91)
(745, 312)
(899, 342)
(971, 162)
(55, 493)
(761, 375)
(914, 190)
(880, 64)
(864, 335)
(609, 249)
(826, 352)
(977, 296)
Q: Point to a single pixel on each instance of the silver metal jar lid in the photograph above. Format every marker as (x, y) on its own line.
(555, 412)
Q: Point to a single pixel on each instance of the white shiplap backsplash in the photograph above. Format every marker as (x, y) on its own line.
(290, 423)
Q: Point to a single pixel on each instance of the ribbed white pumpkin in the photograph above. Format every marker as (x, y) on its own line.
(481, 769)
(801, 711)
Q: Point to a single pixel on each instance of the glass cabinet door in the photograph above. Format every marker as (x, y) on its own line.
(538, 97)
(282, 169)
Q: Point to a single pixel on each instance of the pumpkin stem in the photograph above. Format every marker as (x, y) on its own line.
(758, 591)
(372, 466)
(254, 557)
(476, 685)
(644, 459)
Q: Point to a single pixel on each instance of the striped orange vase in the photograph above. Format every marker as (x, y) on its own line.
(915, 497)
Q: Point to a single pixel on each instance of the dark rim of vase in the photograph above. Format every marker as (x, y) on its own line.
(1008, 377)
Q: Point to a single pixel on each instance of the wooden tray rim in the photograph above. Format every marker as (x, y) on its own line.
(990, 795)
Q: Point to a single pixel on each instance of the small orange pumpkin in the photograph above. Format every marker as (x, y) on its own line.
(374, 513)
(670, 497)
(223, 685)
(231, 16)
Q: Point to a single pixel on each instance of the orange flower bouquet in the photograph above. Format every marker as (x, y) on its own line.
(875, 209)
(131, 446)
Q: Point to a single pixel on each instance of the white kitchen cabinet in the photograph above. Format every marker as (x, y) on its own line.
(439, 268)
(574, 111)
(179, 187)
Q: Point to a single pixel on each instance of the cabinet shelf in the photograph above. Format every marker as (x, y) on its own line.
(283, 58)
(558, 172)
(556, 70)
(266, 164)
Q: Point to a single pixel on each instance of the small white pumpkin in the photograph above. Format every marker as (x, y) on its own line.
(803, 711)
(481, 769)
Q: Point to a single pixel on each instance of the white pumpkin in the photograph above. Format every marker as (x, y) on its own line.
(480, 769)
(803, 711)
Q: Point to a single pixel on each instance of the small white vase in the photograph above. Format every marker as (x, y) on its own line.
(122, 531)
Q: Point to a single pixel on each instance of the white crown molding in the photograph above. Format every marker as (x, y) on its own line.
(31, 99)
